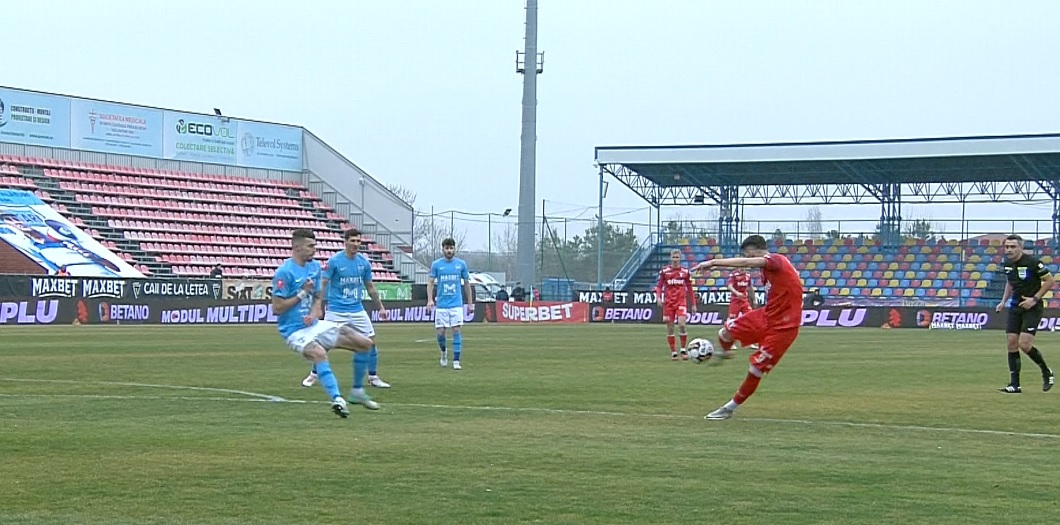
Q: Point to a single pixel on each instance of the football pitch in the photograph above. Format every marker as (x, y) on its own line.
(586, 424)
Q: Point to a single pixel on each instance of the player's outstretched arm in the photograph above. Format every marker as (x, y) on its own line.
(732, 262)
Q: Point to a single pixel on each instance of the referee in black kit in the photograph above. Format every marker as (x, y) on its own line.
(1028, 280)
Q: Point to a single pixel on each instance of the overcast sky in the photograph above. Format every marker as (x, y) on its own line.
(425, 93)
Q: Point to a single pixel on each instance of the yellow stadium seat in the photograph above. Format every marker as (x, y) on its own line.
(948, 267)
(844, 292)
(708, 282)
(908, 292)
(840, 266)
(925, 266)
(942, 258)
(847, 257)
(893, 283)
(877, 258)
(926, 283)
(942, 292)
(876, 292)
(811, 265)
(862, 283)
(816, 257)
(925, 249)
(892, 266)
(825, 274)
(856, 274)
(992, 267)
(909, 257)
(888, 275)
(980, 284)
(944, 275)
(973, 259)
(683, 241)
(830, 282)
(975, 276)
(863, 249)
(833, 249)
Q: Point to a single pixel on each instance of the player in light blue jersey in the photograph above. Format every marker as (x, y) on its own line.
(298, 303)
(454, 296)
(347, 277)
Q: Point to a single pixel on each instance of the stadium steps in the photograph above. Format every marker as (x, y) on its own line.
(334, 225)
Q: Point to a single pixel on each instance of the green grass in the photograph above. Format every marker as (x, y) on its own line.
(865, 426)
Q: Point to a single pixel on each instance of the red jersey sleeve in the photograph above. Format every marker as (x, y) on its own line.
(662, 282)
(688, 288)
(772, 263)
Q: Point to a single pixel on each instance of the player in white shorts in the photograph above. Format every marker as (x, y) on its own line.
(450, 277)
(297, 303)
(347, 277)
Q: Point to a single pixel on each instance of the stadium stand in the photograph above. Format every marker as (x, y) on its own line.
(861, 267)
(182, 224)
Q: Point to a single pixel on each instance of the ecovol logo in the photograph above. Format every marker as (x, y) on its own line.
(206, 130)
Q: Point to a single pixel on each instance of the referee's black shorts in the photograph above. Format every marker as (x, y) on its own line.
(1022, 321)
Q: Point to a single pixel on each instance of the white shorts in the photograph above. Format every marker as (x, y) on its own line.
(325, 333)
(359, 321)
(448, 317)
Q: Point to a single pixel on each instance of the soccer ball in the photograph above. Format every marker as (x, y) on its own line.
(700, 350)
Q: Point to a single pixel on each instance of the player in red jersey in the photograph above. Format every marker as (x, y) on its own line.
(674, 290)
(742, 294)
(774, 327)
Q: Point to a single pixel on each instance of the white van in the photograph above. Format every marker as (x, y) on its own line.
(485, 287)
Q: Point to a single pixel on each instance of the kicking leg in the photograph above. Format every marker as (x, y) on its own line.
(315, 353)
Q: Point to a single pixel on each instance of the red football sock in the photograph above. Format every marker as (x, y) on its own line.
(750, 384)
(684, 340)
(726, 345)
(670, 341)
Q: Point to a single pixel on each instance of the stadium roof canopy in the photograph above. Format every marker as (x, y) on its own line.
(890, 172)
(957, 169)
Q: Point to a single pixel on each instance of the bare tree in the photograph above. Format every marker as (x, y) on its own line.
(505, 247)
(428, 230)
(814, 224)
(405, 194)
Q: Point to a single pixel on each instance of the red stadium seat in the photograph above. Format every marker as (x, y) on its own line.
(192, 219)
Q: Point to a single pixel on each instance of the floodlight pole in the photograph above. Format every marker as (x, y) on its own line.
(600, 234)
(526, 62)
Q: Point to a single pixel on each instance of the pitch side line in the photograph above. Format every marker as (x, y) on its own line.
(264, 397)
(267, 398)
